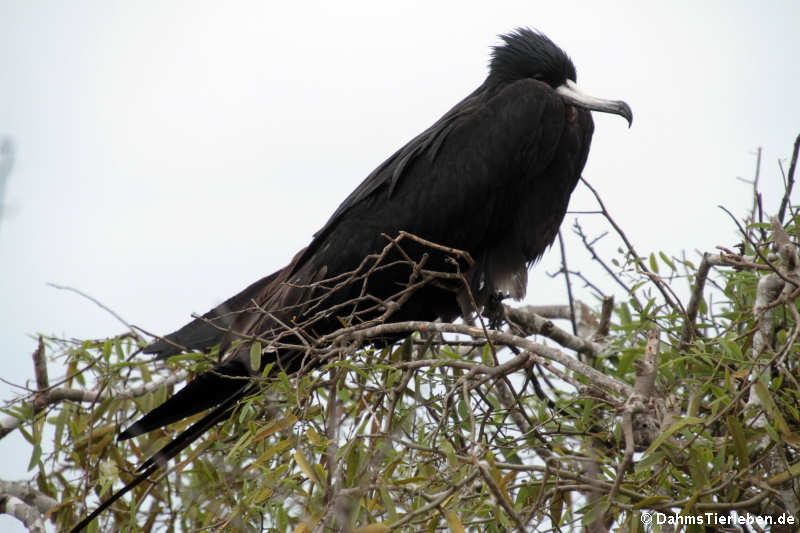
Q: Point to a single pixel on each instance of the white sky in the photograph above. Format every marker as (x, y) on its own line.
(170, 153)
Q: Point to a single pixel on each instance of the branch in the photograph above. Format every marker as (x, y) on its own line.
(23, 512)
(790, 180)
(756, 249)
(646, 372)
(42, 502)
(100, 305)
(565, 270)
(498, 337)
(531, 323)
(589, 246)
(665, 290)
(434, 502)
(737, 261)
(49, 397)
(498, 494)
(647, 368)
(689, 331)
(549, 311)
(604, 326)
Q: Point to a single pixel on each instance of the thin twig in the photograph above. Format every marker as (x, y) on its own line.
(789, 181)
(665, 290)
(99, 304)
(688, 331)
(565, 270)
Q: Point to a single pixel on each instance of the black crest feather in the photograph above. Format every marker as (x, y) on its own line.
(529, 54)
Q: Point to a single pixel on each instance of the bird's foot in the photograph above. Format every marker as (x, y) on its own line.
(494, 311)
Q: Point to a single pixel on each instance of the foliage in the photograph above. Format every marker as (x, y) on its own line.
(448, 431)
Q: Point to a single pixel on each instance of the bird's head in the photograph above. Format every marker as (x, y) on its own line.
(526, 53)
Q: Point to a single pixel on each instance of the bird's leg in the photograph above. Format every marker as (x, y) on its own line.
(493, 310)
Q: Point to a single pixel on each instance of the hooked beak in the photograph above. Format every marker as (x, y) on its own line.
(572, 94)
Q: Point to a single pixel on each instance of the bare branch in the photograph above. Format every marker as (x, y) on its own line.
(789, 181)
(688, 331)
(498, 337)
(42, 502)
(499, 497)
(59, 394)
(665, 290)
(23, 512)
(565, 270)
(99, 304)
(532, 324)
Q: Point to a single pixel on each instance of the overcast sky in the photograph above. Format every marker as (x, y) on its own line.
(167, 154)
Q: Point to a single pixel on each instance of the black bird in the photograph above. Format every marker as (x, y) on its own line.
(492, 177)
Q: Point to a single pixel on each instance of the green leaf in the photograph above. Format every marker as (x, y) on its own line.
(732, 349)
(305, 466)
(679, 424)
(107, 346)
(667, 260)
(270, 452)
(454, 522)
(35, 456)
(651, 501)
(556, 507)
(739, 442)
(624, 314)
(388, 503)
(653, 263)
(373, 528)
(770, 407)
(698, 466)
(255, 356)
(60, 422)
(486, 355)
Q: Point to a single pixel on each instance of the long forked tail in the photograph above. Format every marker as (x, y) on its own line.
(203, 392)
(209, 330)
(166, 453)
(220, 388)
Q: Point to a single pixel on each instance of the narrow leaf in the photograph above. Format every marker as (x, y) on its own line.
(255, 356)
(274, 427)
(267, 455)
(676, 426)
(772, 409)
(454, 522)
(304, 465)
(372, 528)
(739, 442)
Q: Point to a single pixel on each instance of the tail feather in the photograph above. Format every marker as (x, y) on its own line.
(80, 526)
(173, 448)
(220, 388)
(193, 432)
(203, 392)
(207, 331)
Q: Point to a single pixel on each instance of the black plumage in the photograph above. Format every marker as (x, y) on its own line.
(492, 177)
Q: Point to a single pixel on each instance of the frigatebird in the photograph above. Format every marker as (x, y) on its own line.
(492, 178)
